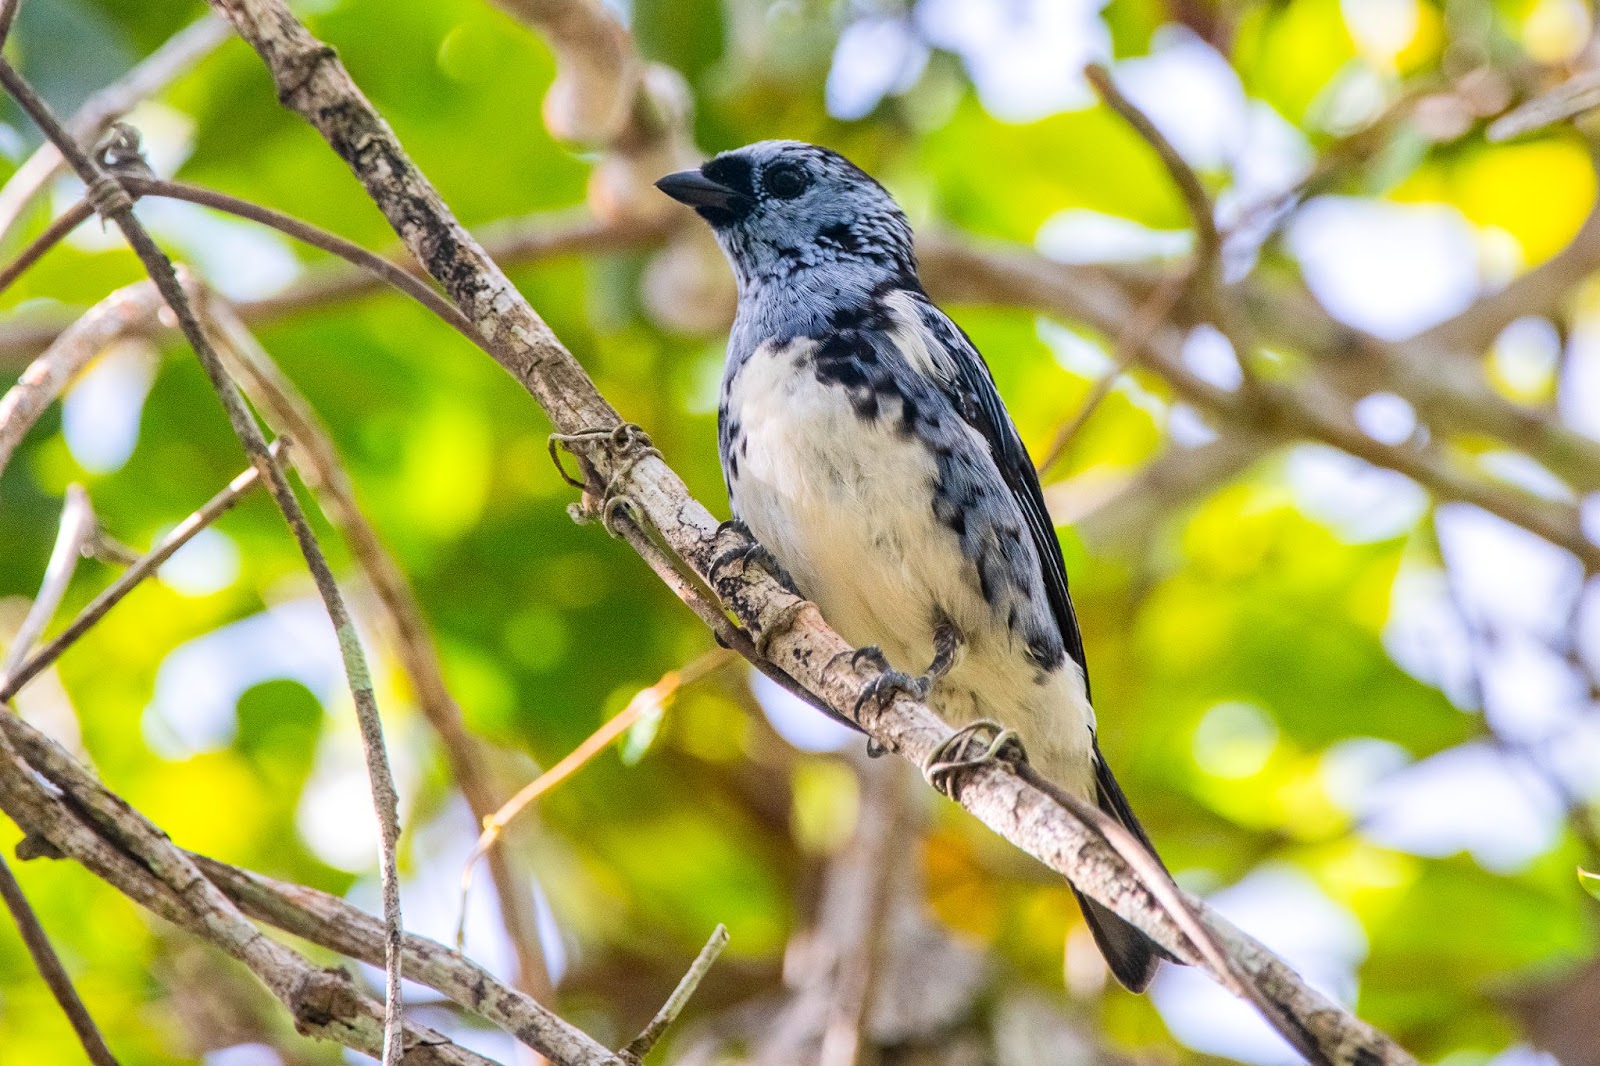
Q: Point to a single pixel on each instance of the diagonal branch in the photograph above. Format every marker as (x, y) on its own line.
(317, 459)
(60, 803)
(163, 66)
(67, 812)
(114, 202)
(512, 242)
(127, 311)
(315, 236)
(1285, 410)
(640, 494)
(50, 968)
(76, 531)
(19, 674)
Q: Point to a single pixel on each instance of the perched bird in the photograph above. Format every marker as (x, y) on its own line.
(867, 451)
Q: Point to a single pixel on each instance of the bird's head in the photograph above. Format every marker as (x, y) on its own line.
(783, 207)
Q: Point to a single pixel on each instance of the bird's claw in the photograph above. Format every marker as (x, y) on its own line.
(974, 745)
(883, 687)
(872, 654)
(747, 552)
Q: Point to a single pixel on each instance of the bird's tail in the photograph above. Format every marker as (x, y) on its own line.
(1132, 956)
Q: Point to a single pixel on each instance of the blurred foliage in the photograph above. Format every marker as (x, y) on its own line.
(1236, 654)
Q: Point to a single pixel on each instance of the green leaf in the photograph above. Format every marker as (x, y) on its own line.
(1590, 882)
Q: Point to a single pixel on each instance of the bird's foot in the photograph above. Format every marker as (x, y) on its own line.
(747, 552)
(881, 689)
(974, 745)
(947, 644)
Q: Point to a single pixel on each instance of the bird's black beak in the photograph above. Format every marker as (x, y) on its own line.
(695, 189)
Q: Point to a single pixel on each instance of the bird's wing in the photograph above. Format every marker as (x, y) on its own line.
(965, 379)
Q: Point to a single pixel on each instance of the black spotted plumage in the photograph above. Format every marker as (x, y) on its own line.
(866, 446)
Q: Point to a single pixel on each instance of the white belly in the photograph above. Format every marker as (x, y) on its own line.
(845, 505)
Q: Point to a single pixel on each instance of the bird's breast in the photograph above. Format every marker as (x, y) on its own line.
(841, 498)
(841, 490)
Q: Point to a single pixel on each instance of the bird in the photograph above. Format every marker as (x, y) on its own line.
(867, 451)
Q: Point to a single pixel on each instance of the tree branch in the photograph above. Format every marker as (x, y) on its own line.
(76, 531)
(1285, 410)
(631, 479)
(512, 242)
(50, 968)
(127, 311)
(163, 66)
(56, 801)
(113, 201)
(17, 675)
(315, 236)
(317, 459)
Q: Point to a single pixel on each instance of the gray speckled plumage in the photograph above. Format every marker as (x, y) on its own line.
(866, 447)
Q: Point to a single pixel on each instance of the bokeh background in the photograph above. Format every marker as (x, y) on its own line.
(1358, 716)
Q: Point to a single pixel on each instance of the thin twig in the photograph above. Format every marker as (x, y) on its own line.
(1206, 273)
(127, 311)
(1208, 242)
(315, 236)
(353, 253)
(112, 200)
(1129, 346)
(8, 14)
(519, 241)
(640, 1045)
(13, 681)
(158, 70)
(1571, 98)
(74, 533)
(653, 699)
(53, 234)
(317, 458)
(56, 800)
(50, 968)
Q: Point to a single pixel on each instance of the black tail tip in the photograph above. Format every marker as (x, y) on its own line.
(1132, 956)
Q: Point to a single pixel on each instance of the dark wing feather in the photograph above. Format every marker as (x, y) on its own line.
(972, 390)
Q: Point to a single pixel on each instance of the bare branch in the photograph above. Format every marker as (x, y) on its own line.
(74, 534)
(1281, 409)
(53, 234)
(128, 310)
(629, 479)
(640, 1045)
(55, 800)
(1207, 241)
(318, 461)
(8, 14)
(1130, 343)
(647, 701)
(315, 236)
(14, 678)
(333, 923)
(114, 202)
(1571, 98)
(50, 968)
(513, 242)
(163, 66)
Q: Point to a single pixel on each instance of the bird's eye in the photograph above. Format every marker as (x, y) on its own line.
(785, 180)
